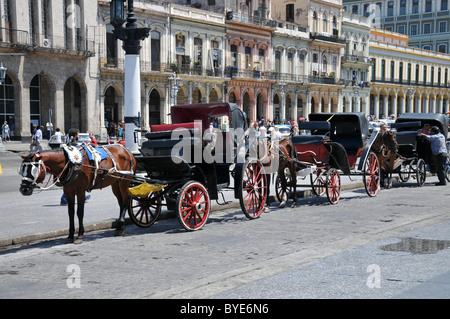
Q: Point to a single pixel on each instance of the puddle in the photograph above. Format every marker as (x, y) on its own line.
(418, 246)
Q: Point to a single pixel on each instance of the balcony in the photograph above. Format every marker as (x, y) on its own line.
(21, 39)
(326, 37)
(356, 59)
(251, 19)
(410, 82)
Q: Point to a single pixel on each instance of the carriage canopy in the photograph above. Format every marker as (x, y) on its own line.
(205, 112)
(434, 119)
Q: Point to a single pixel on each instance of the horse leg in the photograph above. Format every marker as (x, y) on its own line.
(71, 211)
(80, 214)
(294, 185)
(267, 209)
(121, 193)
(283, 183)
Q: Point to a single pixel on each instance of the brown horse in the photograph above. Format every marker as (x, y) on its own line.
(386, 148)
(77, 178)
(288, 160)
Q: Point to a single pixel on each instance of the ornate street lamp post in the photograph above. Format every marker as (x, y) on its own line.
(131, 36)
(174, 81)
(2, 78)
(410, 92)
(283, 102)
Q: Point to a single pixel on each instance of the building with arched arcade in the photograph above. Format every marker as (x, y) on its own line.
(406, 79)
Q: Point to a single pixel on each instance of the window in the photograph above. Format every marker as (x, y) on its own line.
(325, 23)
(427, 47)
(390, 11)
(392, 70)
(366, 10)
(417, 73)
(414, 28)
(444, 4)
(442, 48)
(402, 7)
(7, 101)
(400, 72)
(383, 70)
(425, 74)
(443, 26)
(427, 28)
(324, 63)
(401, 29)
(355, 9)
(415, 6)
(409, 73)
(248, 58)
(290, 12)
(428, 5)
(234, 55)
(155, 50)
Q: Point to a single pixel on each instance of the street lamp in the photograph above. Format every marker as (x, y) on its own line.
(410, 92)
(282, 109)
(174, 81)
(2, 73)
(2, 78)
(131, 37)
(356, 89)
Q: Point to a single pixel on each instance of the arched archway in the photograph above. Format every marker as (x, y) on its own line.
(246, 104)
(260, 106)
(213, 96)
(75, 110)
(196, 96)
(111, 105)
(154, 108)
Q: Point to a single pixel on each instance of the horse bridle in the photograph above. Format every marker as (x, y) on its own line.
(36, 169)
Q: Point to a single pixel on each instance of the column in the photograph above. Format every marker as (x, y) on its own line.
(385, 106)
(394, 105)
(446, 106)
(425, 105)
(402, 104)
(376, 106)
(410, 104)
(432, 104)
(418, 104)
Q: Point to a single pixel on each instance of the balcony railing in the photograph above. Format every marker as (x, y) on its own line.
(411, 82)
(251, 19)
(327, 37)
(356, 59)
(22, 39)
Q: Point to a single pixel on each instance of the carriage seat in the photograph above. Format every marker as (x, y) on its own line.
(407, 138)
(309, 139)
(351, 143)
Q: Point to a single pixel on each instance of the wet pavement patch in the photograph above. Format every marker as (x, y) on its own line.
(418, 245)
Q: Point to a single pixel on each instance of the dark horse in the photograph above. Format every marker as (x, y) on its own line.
(386, 148)
(76, 179)
(288, 161)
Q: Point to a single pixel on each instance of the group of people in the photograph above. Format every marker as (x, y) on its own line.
(115, 129)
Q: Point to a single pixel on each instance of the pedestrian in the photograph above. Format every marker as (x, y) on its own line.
(439, 152)
(58, 135)
(5, 132)
(37, 140)
(93, 140)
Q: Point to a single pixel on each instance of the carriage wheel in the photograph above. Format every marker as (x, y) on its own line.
(405, 173)
(421, 172)
(318, 182)
(333, 186)
(447, 170)
(193, 206)
(144, 212)
(254, 190)
(279, 190)
(372, 175)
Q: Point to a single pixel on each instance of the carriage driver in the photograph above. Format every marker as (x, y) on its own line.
(383, 128)
(439, 152)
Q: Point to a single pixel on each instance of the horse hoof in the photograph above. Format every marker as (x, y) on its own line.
(79, 240)
(267, 210)
(294, 205)
(282, 204)
(69, 240)
(119, 232)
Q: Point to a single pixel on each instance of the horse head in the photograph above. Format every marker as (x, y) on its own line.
(33, 171)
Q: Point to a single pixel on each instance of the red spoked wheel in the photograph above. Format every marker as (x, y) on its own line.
(144, 212)
(254, 190)
(333, 186)
(193, 206)
(372, 175)
(318, 182)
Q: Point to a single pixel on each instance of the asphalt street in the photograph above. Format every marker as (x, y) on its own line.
(394, 245)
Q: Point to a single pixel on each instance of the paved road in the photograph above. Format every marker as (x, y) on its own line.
(314, 251)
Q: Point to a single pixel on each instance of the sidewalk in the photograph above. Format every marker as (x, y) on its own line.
(19, 147)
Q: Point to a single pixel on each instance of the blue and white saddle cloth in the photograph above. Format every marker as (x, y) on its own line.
(95, 153)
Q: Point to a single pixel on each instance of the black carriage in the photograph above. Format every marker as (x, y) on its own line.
(413, 149)
(188, 164)
(334, 143)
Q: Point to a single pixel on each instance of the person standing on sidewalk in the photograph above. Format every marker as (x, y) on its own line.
(5, 132)
(439, 153)
(36, 140)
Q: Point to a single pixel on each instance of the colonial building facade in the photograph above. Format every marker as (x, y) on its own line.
(406, 79)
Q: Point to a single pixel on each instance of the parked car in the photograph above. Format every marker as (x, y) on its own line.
(284, 129)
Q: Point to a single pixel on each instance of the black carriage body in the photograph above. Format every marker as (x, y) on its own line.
(158, 158)
(410, 144)
(349, 138)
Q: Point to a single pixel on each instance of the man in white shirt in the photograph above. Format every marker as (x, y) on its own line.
(38, 139)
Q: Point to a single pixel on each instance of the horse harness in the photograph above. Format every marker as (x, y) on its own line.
(75, 159)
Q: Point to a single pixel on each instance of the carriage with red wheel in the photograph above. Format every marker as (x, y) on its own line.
(194, 160)
(331, 144)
